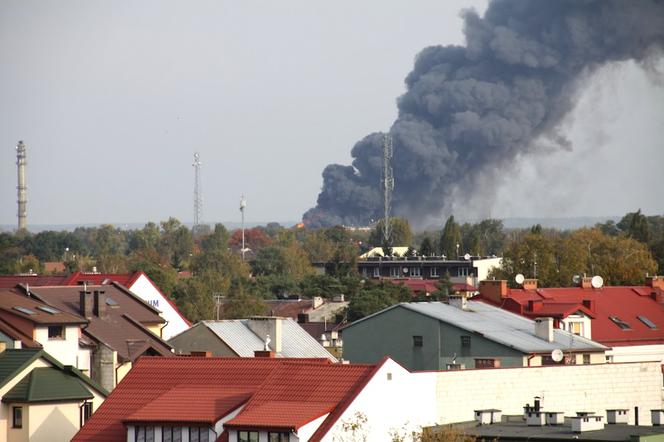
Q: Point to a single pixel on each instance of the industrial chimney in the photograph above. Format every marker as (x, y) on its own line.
(22, 187)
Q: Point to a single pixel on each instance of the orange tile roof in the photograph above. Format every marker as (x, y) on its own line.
(294, 395)
(153, 377)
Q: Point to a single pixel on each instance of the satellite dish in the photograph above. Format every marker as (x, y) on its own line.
(466, 256)
(576, 279)
(597, 282)
(557, 355)
(405, 270)
(519, 278)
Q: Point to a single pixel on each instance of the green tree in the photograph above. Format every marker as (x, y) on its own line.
(400, 233)
(427, 247)
(450, 239)
(374, 297)
(217, 240)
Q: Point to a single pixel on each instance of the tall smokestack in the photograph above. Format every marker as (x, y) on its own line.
(22, 187)
(470, 111)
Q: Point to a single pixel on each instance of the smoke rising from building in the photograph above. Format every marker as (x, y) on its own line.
(470, 111)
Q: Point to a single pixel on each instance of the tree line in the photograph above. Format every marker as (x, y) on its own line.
(192, 266)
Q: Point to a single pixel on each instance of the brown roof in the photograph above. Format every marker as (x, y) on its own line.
(120, 325)
(14, 333)
(288, 308)
(19, 305)
(11, 281)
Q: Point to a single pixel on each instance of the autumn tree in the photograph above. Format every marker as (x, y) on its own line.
(450, 239)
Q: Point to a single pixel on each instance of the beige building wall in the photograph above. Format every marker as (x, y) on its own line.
(595, 358)
(568, 388)
(122, 371)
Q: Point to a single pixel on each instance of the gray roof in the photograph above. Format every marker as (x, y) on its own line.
(500, 326)
(295, 341)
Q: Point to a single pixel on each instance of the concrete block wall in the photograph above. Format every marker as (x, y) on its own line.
(568, 388)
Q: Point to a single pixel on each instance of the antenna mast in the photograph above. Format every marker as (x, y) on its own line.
(388, 186)
(198, 192)
(22, 186)
(243, 205)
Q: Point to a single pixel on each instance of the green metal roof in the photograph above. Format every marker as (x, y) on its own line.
(12, 361)
(46, 384)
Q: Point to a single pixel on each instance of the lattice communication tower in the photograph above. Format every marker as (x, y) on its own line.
(388, 186)
(198, 191)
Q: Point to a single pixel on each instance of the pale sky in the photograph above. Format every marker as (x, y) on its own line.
(113, 98)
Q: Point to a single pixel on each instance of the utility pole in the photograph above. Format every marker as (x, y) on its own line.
(388, 187)
(198, 192)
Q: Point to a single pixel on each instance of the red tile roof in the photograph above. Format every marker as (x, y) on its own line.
(11, 281)
(78, 278)
(294, 395)
(624, 302)
(153, 377)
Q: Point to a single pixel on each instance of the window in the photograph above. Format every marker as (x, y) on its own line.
(56, 332)
(434, 271)
(463, 271)
(17, 417)
(394, 272)
(417, 341)
(364, 272)
(647, 322)
(548, 360)
(277, 437)
(48, 309)
(586, 359)
(171, 434)
(376, 272)
(620, 323)
(465, 341)
(576, 328)
(247, 436)
(415, 271)
(200, 434)
(24, 310)
(144, 434)
(487, 363)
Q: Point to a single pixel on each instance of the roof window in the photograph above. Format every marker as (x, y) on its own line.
(25, 310)
(620, 323)
(48, 309)
(647, 322)
(112, 302)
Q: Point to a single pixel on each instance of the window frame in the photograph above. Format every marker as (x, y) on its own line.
(586, 359)
(647, 322)
(415, 272)
(418, 341)
(376, 272)
(434, 271)
(483, 363)
(17, 418)
(171, 431)
(56, 336)
(395, 272)
(282, 436)
(248, 434)
(199, 431)
(622, 325)
(465, 341)
(143, 436)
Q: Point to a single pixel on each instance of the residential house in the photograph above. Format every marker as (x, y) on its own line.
(462, 334)
(137, 282)
(629, 319)
(117, 327)
(43, 400)
(208, 399)
(245, 337)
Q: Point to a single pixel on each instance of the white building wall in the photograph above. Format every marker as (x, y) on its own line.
(636, 353)
(306, 431)
(583, 319)
(64, 350)
(145, 289)
(483, 267)
(568, 388)
(403, 403)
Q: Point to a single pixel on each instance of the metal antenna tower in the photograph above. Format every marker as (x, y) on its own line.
(388, 186)
(198, 192)
(22, 186)
(243, 205)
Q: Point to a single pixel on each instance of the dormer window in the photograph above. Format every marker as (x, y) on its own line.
(620, 323)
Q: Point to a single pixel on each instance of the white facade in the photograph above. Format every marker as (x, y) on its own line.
(145, 289)
(64, 349)
(483, 267)
(636, 353)
(578, 324)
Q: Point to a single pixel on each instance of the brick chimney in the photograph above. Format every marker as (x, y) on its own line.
(655, 282)
(201, 354)
(529, 284)
(544, 328)
(586, 282)
(264, 326)
(99, 306)
(458, 300)
(494, 290)
(264, 354)
(85, 304)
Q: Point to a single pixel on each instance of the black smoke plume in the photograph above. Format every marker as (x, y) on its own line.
(470, 110)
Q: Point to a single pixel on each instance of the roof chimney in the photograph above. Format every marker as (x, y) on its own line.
(544, 328)
(656, 282)
(493, 290)
(459, 300)
(530, 284)
(201, 354)
(99, 307)
(586, 282)
(85, 304)
(267, 329)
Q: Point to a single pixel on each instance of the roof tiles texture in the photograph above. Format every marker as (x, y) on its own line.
(154, 377)
(48, 384)
(34, 311)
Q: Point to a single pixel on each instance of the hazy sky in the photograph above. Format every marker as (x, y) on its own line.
(113, 98)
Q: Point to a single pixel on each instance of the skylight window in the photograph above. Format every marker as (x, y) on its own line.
(24, 310)
(620, 323)
(48, 309)
(647, 322)
(111, 302)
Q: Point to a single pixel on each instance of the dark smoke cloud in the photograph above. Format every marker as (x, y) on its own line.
(470, 111)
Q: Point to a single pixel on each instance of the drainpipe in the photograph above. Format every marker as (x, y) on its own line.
(532, 355)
